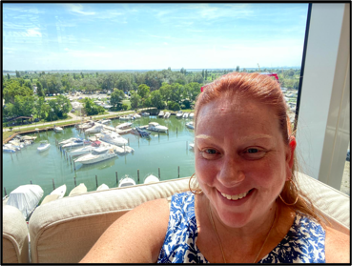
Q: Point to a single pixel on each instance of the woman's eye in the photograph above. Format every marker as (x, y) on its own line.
(254, 153)
(209, 153)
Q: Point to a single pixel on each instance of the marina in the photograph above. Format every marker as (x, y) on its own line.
(164, 155)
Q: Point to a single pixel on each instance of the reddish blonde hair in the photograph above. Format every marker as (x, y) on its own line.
(266, 91)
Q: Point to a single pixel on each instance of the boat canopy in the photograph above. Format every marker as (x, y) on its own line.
(26, 198)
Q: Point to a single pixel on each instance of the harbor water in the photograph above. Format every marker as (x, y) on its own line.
(169, 152)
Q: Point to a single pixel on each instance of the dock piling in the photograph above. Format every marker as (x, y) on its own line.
(96, 181)
(30, 182)
(5, 191)
(178, 170)
(186, 144)
(74, 180)
(53, 183)
(138, 176)
(159, 173)
(117, 178)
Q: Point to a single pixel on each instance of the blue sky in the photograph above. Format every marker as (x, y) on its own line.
(151, 36)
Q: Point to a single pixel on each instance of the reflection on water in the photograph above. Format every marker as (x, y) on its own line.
(166, 151)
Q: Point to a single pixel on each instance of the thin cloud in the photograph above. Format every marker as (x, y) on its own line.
(33, 33)
(77, 8)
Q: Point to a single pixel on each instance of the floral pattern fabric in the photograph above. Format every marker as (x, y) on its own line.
(304, 243)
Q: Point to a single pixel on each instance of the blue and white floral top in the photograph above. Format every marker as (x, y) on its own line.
(304, 243)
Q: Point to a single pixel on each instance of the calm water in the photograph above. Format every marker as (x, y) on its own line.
(166, 152)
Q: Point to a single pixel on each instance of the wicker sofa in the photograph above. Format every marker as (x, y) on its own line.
(63, 231)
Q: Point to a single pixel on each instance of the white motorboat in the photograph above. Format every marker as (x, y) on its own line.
(86, 125)
(126, 182)
(145, 114)
(95, 129)
(161, 114)
(80, 189)
(136, 116)
(104, 121)
(16, 143)
(60, 191)
(97, 155)
(124, 125)
(65, 141)
(126, 117)
(8, 148)
(154, 126)
(28, 138)
(54, 195)
(113, 138)
(191, 115)
(43, 146)
(151, 179)
(191, 146)
(185, 115)
(102, 187)
(190, 125)
(167, 115)
(179, 114)
(77, 142)
(26, 198)
(58, 129)
(82, 150)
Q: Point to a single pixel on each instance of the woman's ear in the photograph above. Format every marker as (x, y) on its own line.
(290, 155)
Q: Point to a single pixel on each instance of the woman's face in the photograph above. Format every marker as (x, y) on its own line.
(241, 159)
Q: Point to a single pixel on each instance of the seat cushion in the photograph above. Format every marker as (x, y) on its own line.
(64, 230)
(14, 236)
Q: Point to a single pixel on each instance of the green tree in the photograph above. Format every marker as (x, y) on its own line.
(135, 100)
(143, 90)
(23, 105)
(156, 100)
(18, 75)
(116, 98)
(8, 76)
(60, 106)
(165, 91)
(40, 91)
(237, 68)
(12, 87)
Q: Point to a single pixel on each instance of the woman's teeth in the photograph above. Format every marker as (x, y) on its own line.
(234, 197)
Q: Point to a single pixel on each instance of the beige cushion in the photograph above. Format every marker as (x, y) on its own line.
(331, 203)
(14, 236)
(65, 230)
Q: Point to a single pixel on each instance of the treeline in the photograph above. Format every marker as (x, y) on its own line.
(162, 89)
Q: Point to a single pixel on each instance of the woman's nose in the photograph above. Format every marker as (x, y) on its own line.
(231, 173)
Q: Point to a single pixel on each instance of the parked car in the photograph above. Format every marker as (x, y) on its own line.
(348, 158)
(36, 120)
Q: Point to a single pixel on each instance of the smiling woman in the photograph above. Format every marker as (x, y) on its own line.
(248, 208)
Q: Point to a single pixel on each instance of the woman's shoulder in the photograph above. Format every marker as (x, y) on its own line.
(337, 246)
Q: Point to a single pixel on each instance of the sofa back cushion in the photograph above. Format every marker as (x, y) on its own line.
(64, 230)
(14, 236)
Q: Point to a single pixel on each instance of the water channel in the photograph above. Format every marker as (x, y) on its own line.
(164, 151)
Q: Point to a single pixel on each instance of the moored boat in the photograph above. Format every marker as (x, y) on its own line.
(179, 114)
(77, 142)
(26, 198)
(58, 129)
(80, 189)
(82, 150)
(102, 187)
(161, 114)
(154, 126)
(190, 125)
(167, 115)
(8, 148)
(126, 181)
(151, 179)
(113, 138)
(43, 146)
(124, 125)
(97, 155)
